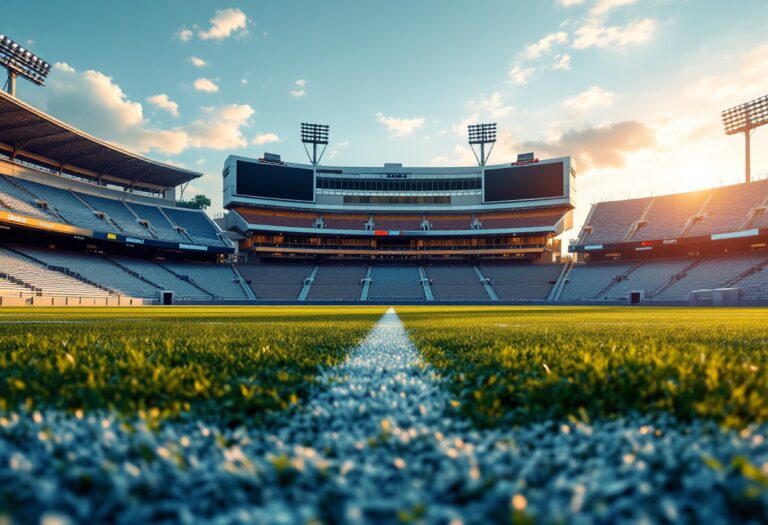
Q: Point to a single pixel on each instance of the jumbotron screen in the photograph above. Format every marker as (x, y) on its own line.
(271, 181)
(534, 181)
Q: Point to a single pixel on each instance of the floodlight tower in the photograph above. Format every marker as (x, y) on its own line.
(315, 134)
(482, 134)
(745, 118)
(18, 61)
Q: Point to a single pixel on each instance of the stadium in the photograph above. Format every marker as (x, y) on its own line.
(345, 343)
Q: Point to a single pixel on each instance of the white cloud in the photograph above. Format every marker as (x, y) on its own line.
(301, 82)
(545, 44)
(207, 85)
(298, 93)
(518, 75)
(595, 34)
(198, 62)
(592, 98)
(221, 127)
(748, 81)
(224, 23)
(400, 127)
(265, 138)
(493, 106)
(92, 101)
(162, 101)
(185, 35)
(603, 7)
(569, 3)
(598, 147)
(244, 81)
(562, 62)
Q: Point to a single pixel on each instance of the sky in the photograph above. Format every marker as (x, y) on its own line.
(631, 89)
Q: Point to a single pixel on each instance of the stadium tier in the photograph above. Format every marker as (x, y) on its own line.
(313, 211)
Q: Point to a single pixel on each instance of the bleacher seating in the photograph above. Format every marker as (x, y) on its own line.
(341, 221)
(217, 279)
(729, 207)
(755, 285)
(398, 282)
(276, 218)
(668, 216)
(159, 224)
(11, 289)
(586, 280)
(456, 282)
(522, 281)
(94, 268)
(68, 206)
(611, 221)
(450, 222)
(163, 278)
(719, 210)
(14, 199)
(119, 213)
(506, 221)
(397, 222)
(48, 282)
(196, 224)
(648, 276)
(275, 280)
(339, 282)
(711, 272)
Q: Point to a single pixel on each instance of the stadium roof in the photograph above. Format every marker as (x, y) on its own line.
(27, 131)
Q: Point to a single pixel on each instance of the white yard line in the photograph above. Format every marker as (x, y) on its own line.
(372, 445)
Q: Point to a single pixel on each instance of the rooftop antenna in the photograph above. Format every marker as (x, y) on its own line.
(745, 118)
(482, 134)
(18, 61)
(315, 134)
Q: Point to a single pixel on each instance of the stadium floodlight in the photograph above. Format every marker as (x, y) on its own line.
(745, 118)
(315, 134)
(482, 134)
(18, 61)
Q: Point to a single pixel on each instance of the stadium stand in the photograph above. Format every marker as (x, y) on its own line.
(162, 278)
(710, 272)
(66, 205)
(450, 222)
(396, 282)
(730, 208)
(218, 280)
(275, 280)
(668, 216)
(397, 222)
(455, 282)
(158, 223)
(339, 221)
(522, 281)
(197, 225)
(39, 277)
(276, 218)
(14, 198)
(119, 213)
(94, 268)
(337, 282)
(585, 281)
(647, 276)
(611, 221)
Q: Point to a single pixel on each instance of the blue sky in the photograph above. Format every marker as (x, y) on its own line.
(631, 88)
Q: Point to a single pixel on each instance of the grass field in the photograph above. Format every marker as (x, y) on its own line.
(505, 414)
(515, 365)
(231, 364)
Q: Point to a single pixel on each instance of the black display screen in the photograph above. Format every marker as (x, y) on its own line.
(274, 181)
(536, 181)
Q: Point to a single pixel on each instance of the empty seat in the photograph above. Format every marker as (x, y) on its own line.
(397, 282)
(275, 280)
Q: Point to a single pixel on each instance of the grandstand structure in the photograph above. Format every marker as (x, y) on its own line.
(84, 222)
(309, 232)
(674, 248)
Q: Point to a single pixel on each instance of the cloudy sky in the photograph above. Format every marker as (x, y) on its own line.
(632, 89)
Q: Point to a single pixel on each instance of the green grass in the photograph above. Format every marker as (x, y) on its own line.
(225, 363)
(520, 364)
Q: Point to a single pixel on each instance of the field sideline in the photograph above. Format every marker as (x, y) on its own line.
(350, 414)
